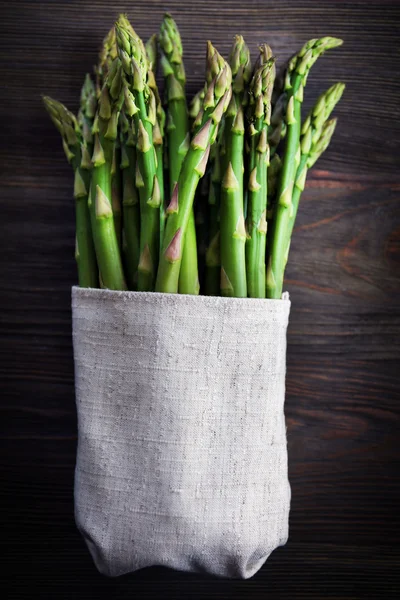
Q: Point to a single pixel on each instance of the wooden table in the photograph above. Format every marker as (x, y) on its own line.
(343, 403)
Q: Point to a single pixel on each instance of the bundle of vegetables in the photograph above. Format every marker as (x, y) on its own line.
(143, 222)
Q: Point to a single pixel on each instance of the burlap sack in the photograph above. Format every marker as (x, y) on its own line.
(182, 456)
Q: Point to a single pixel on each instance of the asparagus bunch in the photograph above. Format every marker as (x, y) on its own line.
(138, 165)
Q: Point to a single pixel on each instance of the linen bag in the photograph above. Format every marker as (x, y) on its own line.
(182, 457)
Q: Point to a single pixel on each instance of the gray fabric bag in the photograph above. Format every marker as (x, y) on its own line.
(182, 457)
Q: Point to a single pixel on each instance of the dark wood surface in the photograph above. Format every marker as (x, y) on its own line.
(343, 411)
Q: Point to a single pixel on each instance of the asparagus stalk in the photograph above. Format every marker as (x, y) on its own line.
(178, 140)
(233, 232)
(202, 198)
(217, 162)
(296, 77)
(140, 103)
(259, 116)
(100, 200)
(316, 133)
(215, 103)
(107, 55)
(175, 80)
(158, 129)
(77, 155)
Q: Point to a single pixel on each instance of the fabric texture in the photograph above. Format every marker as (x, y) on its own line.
(182, 457)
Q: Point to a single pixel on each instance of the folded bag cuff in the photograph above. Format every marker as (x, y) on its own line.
(106, 296)
(182, 457)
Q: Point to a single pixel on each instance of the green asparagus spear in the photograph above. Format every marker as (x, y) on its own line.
(259, 116)
(316, 134)
(105, 130)
(233, 233)
(140, 103)
(215, 103)
(78, 156)
(178, 140)
(175, 79)
(298, 69)
(107, 55)
(159, 126)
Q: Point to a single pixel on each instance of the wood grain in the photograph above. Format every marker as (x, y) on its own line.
(343, 380)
